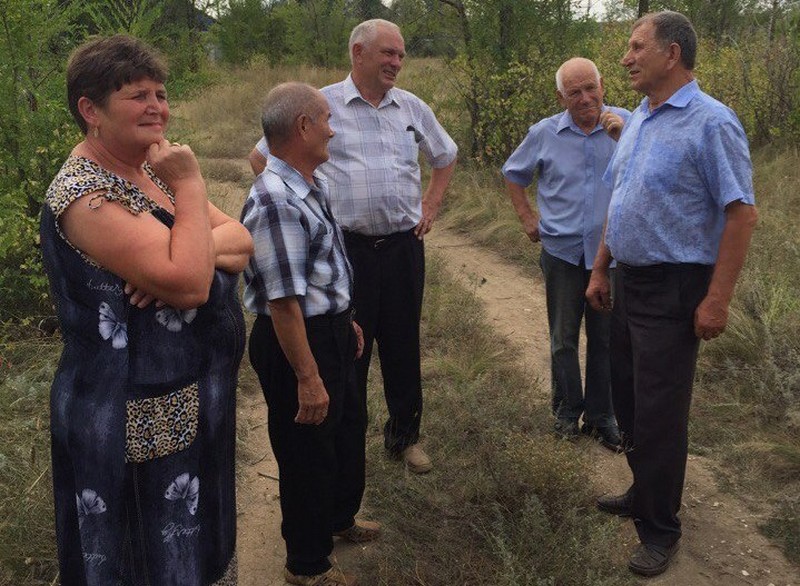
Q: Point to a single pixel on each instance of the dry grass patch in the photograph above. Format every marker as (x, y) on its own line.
(27, 534)
(506, 504)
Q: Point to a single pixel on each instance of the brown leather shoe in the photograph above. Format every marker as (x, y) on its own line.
(333, 577)
(360, 532)
(416, 459)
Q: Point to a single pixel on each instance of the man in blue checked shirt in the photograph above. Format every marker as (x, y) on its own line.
(568, 153)
(304, 340)
(377, 198)
(679, 224)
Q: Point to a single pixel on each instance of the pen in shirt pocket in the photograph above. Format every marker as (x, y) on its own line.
(417, 135)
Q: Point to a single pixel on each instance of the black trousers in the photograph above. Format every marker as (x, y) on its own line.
(389, 275)
(321, 466)
(653, 357)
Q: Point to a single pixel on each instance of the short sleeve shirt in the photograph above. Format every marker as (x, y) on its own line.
(571, 195)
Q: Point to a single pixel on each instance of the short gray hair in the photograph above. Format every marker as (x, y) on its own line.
(560, 72)
(283, 105)
(673, 27)
(365, 32)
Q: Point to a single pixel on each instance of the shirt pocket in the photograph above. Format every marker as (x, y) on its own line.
(406, 146)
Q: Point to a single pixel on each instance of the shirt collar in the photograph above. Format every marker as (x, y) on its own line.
(680, 99)
(293, 179)
(566, 121)
(351, 93)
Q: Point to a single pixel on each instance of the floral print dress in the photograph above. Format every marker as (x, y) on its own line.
(142, 412)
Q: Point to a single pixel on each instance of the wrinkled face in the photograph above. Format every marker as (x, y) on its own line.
(646, 60)
(378, 62)
(319, 131)
(582, 94)
(135, 115)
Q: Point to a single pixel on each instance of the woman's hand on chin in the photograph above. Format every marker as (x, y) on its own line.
(174, 163)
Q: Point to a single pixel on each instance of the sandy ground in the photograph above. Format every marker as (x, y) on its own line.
(721, 544)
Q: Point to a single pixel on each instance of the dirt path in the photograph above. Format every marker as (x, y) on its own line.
(721, 544)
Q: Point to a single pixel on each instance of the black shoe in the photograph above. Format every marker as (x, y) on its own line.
(607, 435)
(566, 429)
(620, 505)
(651, 560)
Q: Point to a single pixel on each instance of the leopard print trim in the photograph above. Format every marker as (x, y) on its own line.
(80, 176)
(163, 425)
(231, 576)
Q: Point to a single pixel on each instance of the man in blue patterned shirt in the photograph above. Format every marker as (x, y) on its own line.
(377, 198)
(679, 224)
(568, 153)
(304, 340)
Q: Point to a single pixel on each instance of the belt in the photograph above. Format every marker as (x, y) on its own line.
(375, 242)
(662, 268)
(331, 319)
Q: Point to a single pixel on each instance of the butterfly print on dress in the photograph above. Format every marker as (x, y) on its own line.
(89, 503)
(173, 319)
(182, 488)
(112, 328)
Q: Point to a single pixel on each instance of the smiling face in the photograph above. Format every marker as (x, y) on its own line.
(647, 61)
(135, 116)
(581, 93)
(377, 63)
(319, 131)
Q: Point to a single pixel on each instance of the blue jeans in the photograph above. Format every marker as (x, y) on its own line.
(565, 285)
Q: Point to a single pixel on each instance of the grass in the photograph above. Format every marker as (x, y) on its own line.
(507, 504)
(27, 536)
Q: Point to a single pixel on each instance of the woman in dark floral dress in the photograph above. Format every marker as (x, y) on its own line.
(143, 272)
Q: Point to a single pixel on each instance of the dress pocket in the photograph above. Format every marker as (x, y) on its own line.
(159, 426)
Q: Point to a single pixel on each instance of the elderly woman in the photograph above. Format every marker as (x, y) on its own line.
(143, 271)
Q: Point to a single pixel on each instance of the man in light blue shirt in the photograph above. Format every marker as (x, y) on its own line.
(569, 153)
(679, 224)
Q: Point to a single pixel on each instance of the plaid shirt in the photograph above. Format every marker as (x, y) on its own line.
(299, 249)
(374, 169)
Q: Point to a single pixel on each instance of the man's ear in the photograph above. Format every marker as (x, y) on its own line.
(358, 49)
(301, 125)
(561, 99)
(674, 51)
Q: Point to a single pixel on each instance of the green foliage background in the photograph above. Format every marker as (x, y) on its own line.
(502, 56)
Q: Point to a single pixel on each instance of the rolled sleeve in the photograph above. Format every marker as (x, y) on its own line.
(437, 146)
(521, 165)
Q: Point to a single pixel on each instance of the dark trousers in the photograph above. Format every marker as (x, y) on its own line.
(389, 275)
(565, 287)
(654, 352)
(321, 466)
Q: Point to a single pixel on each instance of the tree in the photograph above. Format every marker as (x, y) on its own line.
(506, 71)
(247, 28)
